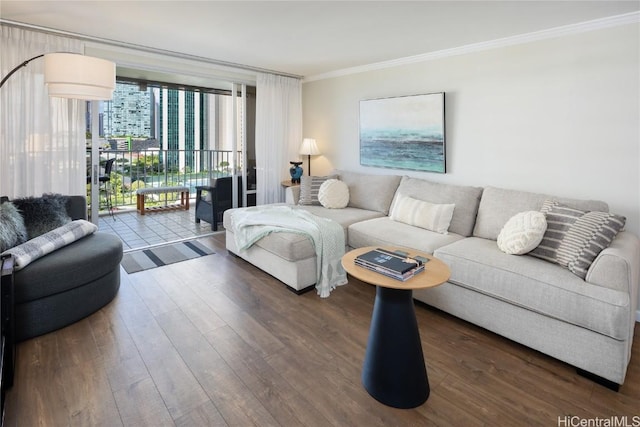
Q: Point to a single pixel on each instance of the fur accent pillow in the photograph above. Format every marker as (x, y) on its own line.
(522, 233)
(43, 214)
(12, 229)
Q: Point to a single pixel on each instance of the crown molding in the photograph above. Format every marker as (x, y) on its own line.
(566, 30)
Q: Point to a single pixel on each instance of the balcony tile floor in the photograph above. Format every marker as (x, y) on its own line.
(138, 231)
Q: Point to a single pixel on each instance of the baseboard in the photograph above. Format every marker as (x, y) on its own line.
(301, 291)
(599, 380)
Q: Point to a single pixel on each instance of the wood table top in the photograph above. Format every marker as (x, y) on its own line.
(435, 272)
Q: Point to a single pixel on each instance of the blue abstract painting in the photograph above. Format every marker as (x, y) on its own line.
(406, 132)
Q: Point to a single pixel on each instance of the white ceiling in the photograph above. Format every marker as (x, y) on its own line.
(307, 38)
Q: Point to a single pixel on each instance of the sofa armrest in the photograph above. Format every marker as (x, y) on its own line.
(292, 195)
(618, 266)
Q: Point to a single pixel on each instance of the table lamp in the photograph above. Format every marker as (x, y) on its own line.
(309, 148)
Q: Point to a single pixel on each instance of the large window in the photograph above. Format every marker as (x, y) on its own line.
(168, 135)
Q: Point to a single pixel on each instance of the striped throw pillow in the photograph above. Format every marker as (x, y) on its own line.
(422, 214)
(309, 188)
(574, 238)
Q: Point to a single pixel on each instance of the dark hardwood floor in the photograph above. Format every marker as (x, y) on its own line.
(215, 341)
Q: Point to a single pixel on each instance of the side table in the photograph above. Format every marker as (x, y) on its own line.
(394, 371)
(288, 183)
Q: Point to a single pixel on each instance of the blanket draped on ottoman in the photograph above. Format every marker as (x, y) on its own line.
(252, 224)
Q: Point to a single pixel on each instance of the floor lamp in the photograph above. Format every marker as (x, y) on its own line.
(71, 75)
(309, 148)
(66, 75)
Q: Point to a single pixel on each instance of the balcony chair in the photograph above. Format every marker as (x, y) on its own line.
(218, 198)
(104, 184)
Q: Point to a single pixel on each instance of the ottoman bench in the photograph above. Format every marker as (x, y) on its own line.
(183, 203)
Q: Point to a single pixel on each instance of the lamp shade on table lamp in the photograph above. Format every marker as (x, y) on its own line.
(309, 148)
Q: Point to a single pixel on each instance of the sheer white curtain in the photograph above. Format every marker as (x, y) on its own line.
(278, 133)
(42, 139)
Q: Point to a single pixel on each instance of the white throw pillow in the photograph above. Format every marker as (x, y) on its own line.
(333, 194)
(431, 216)
(522, 233)
(309, 187)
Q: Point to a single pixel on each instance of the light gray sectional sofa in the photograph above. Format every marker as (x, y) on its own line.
(588, 323)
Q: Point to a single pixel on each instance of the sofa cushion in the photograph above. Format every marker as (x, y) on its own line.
(574, 237)
(522, 233)
(333, 194)
(384, 231)
(289, 246)
(345, 217)
(370, 192)
(498, 205)
(538, 285)
(43, 214)
(434, 217)
(12, 229)
(465, 198)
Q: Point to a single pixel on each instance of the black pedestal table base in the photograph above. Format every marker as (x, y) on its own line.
(394, 371)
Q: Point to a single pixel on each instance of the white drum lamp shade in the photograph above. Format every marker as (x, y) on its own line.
(70, 75)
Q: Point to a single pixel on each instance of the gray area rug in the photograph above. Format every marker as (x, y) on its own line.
(145, 259)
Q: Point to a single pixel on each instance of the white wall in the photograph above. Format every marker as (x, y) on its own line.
(558, 116)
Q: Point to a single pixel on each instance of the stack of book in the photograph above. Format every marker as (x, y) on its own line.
(396, 265)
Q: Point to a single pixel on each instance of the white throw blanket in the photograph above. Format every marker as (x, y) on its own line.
(252, 224)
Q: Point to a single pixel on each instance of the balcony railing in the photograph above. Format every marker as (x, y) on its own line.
(159, 168)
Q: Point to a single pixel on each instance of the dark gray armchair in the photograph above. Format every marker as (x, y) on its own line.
(212, 201)
(69, 283)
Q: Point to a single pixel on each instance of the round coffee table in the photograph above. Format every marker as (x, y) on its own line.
(394, 371)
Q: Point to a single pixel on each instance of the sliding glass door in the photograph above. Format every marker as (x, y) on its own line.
(164, 135)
